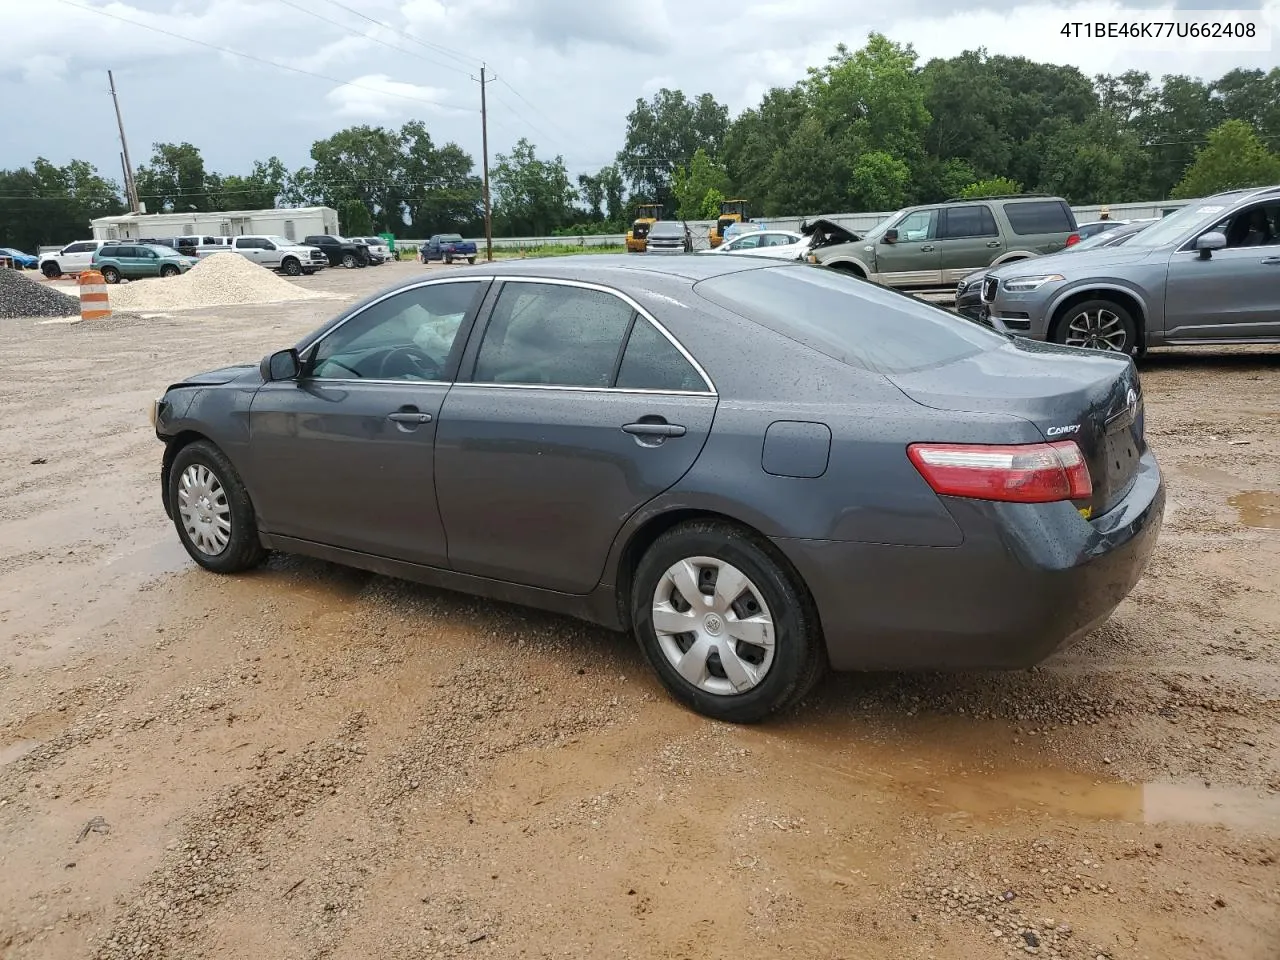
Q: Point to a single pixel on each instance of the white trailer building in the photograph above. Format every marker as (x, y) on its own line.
(292, 222)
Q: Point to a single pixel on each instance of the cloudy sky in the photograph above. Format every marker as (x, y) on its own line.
(568, 70)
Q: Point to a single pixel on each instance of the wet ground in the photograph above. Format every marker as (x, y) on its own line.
(315, 762)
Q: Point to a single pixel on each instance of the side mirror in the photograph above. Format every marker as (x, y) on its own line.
(891, 235)
(1206, 243)
(281, 365)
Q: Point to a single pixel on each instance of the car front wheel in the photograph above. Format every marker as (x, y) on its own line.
(51, 270)
(727, 626)
(212, 510)
(168, 271)
(1097, 325)
(349, 261)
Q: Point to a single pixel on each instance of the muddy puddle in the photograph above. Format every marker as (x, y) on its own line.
(927, 773)
(16, 751)
(1257, 508)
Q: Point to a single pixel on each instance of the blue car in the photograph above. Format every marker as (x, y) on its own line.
(24, 260)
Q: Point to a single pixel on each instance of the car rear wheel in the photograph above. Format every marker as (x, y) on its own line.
(212, 510)
(51, 270)
(110, 275)
(1097, 325)
(728, 628)
(168, 270)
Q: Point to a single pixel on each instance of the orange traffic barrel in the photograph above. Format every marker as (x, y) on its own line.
(94, 304)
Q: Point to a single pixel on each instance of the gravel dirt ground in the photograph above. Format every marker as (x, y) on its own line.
(316, 762)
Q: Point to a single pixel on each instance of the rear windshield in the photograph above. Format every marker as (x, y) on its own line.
(450, 238)
(666, 228)
(860, 323)
(1039, 216)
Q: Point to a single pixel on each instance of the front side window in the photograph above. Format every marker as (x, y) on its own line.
(916, 226)
(408, 336)
(554, 334)
(749, 242)
(1254, 226)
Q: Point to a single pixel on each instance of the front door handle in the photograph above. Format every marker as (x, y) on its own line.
(405, 416)
(1272, 261)
(653, 429)
(927, 248)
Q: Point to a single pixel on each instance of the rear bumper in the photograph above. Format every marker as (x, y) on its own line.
(1027, 581)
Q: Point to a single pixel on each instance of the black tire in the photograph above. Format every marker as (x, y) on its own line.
(168, 270)
(291, 267)
(448, 260)
(110, 275)
(243, 550)
(349, 261)
(307, 272)
(1062, 325)
(799, 653)
(850, 269)
(471, 260)
(51, 270)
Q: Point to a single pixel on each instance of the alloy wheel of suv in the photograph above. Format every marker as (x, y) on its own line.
(1097, 325)
(110, 275)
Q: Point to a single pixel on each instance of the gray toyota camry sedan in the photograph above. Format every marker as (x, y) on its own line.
(760, 469)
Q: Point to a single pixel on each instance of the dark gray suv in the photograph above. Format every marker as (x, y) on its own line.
(1209, 273)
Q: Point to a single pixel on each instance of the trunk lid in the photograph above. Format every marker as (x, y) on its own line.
(1090, 397)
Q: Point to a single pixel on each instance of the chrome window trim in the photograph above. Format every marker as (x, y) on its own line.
(711, 390)
(630, 301)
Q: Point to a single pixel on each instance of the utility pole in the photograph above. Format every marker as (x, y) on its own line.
(130, 187)
(484, 141)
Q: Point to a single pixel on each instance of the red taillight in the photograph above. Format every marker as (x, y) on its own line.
(1022, 473)
(1074, 238)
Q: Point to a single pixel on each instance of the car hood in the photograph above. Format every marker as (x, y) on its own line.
(1067, 263)
(213, 378)
(826, 233)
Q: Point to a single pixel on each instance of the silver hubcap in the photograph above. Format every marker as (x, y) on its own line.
(713, 625)
(203, 507)
(1098, 330)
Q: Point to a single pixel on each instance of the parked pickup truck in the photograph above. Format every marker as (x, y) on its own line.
(348, 253)
(280, 253)
(448, 247)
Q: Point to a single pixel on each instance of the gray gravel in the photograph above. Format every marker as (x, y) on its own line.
(20, 297)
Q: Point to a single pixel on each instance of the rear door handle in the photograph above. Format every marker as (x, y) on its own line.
(927, 248)
(994, 243)
(1272, 261)
(644, 429)
(409, 417)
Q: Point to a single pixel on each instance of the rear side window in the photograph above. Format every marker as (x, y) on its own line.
(652, 362)
(1039, 216)
(970, 221)
(859, 323)
(543, 333)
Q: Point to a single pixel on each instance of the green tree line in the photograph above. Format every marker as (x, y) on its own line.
(871, 129)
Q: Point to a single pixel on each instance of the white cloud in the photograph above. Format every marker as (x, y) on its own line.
(379, 97)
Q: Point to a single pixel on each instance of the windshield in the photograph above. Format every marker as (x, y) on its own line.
(1176, 225)
(1108, 238)
(164, 251)
(281, 241)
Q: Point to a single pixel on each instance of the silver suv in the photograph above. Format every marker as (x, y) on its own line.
(937, 244)
(1209, 273)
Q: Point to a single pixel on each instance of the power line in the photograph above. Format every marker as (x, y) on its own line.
(369, 36)
(264, 60)
(534, 109)
(462, 58)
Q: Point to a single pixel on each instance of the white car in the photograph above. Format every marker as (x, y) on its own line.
(775, 244)
(73, 258)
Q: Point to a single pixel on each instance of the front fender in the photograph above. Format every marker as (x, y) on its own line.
(1102, 286)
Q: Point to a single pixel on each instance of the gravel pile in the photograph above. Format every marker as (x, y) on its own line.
(20, 297)
(221, 279)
